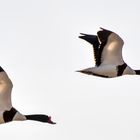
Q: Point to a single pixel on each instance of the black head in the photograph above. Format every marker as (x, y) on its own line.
(103, 35)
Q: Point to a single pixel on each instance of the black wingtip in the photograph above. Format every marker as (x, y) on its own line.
(92, 39)
(102, 28)
(82, 35)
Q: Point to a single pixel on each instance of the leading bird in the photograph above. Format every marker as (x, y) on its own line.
(109, 62)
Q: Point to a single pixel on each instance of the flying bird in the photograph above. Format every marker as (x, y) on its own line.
(107, 47)
(7, 112)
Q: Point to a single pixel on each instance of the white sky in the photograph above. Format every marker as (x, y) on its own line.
(40, 51)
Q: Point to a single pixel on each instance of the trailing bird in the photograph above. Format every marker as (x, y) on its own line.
(107, 47)
(7, 112)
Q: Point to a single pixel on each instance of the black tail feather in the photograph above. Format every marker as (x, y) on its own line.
(137, 72)
(40, 117)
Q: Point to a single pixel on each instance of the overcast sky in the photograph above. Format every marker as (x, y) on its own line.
(40, 51)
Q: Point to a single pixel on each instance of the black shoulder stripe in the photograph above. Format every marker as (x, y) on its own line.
(9, 115)
(100, 50)
(1, 69)
(96, 54)
(121, 69)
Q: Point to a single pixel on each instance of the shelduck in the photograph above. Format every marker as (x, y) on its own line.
(107, 47)
(7, 112)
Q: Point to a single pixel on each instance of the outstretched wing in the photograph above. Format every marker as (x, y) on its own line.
(92, 39)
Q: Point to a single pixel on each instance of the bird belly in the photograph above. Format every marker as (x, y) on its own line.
(106, 70)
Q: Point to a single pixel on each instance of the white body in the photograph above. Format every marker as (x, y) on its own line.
(111, 57)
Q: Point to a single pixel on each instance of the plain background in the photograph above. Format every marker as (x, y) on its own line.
(40, 51)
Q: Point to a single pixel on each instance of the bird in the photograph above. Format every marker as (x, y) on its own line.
(7, 112)
(109, 62)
